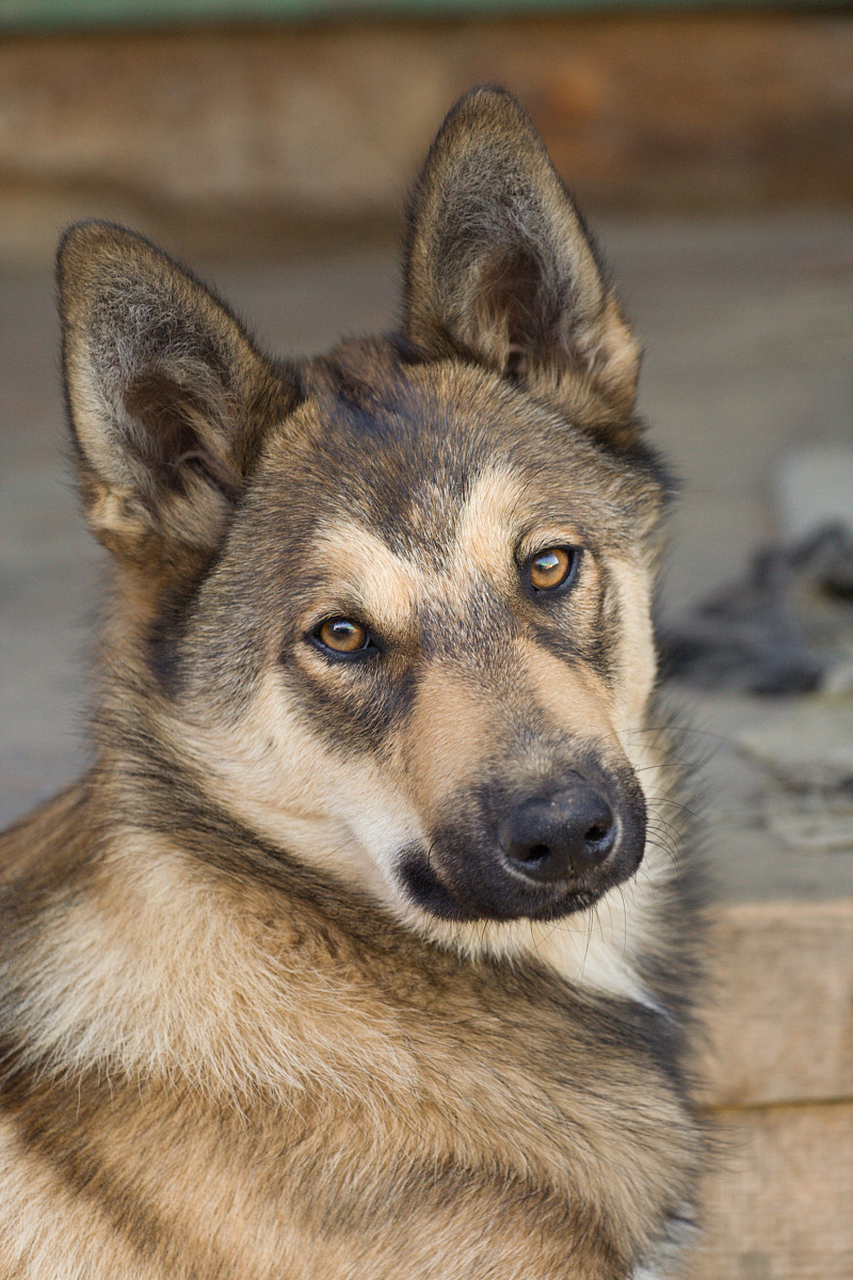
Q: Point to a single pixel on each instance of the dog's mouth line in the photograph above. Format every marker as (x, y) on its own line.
(438, 896)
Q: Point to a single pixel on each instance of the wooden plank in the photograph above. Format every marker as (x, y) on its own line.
(211, 137)
(781, 1025)
(780, 1205)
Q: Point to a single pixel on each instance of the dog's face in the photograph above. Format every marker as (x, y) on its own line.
(449, 624)
(391, 608)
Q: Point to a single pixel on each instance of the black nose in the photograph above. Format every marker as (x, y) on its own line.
(561, 835)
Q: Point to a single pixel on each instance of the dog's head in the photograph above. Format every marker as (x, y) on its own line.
(390, 608)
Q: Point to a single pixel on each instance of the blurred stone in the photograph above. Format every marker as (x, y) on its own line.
(808, 746)
(811, 822)
(785, 627)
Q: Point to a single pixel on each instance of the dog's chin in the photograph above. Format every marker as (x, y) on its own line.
(502, 900)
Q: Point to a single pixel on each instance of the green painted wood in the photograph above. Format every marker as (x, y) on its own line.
(70, 14)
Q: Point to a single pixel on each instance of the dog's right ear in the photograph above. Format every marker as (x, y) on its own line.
(166, 394)
(500, 268)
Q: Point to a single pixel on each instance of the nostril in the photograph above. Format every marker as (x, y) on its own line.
(536, 853)
(600, 834)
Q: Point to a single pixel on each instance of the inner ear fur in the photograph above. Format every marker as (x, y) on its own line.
(499, 264)
(167, 395)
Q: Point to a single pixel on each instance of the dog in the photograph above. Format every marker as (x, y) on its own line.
(369, 945)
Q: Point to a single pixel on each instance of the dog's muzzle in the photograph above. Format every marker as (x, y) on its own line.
(538, 852)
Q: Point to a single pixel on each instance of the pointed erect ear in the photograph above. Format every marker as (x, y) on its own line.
(167, 396)
(499, 264)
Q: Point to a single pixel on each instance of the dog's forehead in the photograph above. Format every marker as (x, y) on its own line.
(474, 538)
(428, 456)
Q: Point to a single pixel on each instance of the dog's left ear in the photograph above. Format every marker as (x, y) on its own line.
(499, 264)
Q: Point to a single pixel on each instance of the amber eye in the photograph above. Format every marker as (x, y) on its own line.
(343, 636)
(552, 568)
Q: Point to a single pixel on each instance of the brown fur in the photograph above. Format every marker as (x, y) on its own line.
(278, 1003)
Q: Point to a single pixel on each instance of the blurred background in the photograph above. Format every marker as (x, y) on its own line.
(270, 144)
(248, 126)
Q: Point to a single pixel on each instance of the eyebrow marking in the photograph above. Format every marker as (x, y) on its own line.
(489, 521)
(362, 565)
(499, 520)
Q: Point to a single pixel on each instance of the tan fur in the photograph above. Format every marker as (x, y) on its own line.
(244, 1036)
(358, 562)
(212, 1009)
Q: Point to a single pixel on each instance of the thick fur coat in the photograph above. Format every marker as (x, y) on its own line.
(367, 948)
